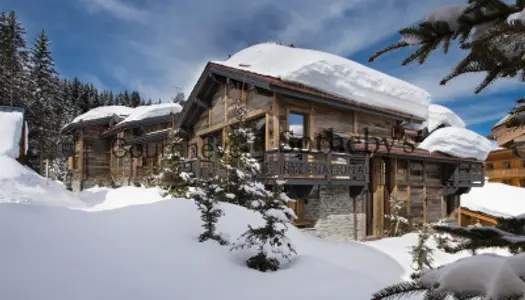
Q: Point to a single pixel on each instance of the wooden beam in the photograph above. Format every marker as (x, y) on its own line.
(267, 143)
(311, 121)
(275, 120)
(251, 115)
(424, 195)
(356, 124)
(200, 103)
(477, 216)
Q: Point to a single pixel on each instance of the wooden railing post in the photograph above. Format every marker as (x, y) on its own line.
(329, 166)
(198, 167)
(281, 165)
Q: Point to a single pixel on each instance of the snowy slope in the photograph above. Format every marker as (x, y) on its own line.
(19, 184)
(440, 115)
(11, 124)
(496, 199)
(151, 252)
(151, 111)
(103, 112)
(332, 74)
(103, 198)
(458, 142)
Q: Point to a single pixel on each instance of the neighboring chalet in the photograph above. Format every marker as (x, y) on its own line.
(339, 193)
(13, 140)
(117, 145)
(504, 165)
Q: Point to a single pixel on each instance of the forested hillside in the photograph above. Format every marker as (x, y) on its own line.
(28, 79)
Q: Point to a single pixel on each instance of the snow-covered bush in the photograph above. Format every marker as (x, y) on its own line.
(170, 175)
(270, 239)
(398, 222)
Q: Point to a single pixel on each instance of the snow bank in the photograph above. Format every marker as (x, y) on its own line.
(334, 75)
(439, 115)
(19, 184)
(492, 276)
(12, 124)
(102, 198)
(399, 249)
(496, 199)
(151, 252)
(458, 142)
(152, 111)
(103, 112)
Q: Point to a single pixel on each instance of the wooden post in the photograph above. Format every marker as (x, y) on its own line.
(424, 195)
(355, 125)
(267, 143)
(275, 121)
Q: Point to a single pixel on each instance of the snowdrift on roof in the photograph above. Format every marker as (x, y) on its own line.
(458, 142)
(496, 199)
(103, 112)
(152, 111)
(334, 75)
(12, 124)
(439, 115)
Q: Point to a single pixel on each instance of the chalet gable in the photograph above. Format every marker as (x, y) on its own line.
(215, 75)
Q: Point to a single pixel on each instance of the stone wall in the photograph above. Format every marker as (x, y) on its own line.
(333, 210)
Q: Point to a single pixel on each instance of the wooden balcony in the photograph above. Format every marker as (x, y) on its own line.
(299, 168)
(505, 173)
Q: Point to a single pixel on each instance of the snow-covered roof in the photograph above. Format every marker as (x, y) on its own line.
(103, 112)
(333, 75)
(495, 199)
(12, 124)
(440, 115)
(502, 121)
(151, 111)
(458, 142)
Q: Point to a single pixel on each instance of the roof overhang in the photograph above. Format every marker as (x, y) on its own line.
(83, 124)
(140, 123)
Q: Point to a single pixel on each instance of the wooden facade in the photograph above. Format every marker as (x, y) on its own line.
(429, 183)
(108, 154)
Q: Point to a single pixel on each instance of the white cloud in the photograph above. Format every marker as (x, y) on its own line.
(180, 37)
(117, 8)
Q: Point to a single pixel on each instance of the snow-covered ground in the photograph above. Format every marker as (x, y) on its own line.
(134, 243)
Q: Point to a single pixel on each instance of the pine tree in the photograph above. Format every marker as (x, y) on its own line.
(13, 61)
(421, 252)
(134, 99)
(203, 193)
(44, 103)
(398, 222)
(490, 31)
(270, 240)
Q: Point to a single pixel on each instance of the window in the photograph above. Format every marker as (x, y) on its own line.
(296, 128)
(506, 165)
(522, 182)
(490, 166)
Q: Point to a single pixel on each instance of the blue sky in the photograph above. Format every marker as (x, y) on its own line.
(160, 46)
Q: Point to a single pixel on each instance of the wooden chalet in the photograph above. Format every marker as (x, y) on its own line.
(112, 150)
(337, 193)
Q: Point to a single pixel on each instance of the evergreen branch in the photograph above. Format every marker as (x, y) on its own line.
(406, 289)
(389, 48)
(489, 79)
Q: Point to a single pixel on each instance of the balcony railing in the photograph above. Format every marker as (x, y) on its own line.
(299, 168)
(506, 173)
